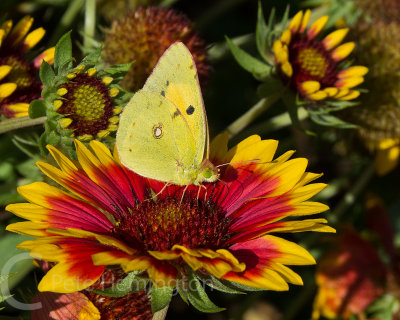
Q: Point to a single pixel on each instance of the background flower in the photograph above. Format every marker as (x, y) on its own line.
(19, 81)
(314, 67)
(143, 35)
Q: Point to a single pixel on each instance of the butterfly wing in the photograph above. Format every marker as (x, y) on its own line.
(175, 78)
(154, 139)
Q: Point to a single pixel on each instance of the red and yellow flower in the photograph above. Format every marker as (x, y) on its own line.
(19, 81)
(312, 66)
(107, 215)
(349, 278)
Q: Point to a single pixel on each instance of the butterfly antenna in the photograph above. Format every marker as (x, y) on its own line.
(228, 163)
(227, 187)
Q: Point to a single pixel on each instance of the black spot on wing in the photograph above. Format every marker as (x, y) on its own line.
(163, 93)
(167, 83)
(190, 110)
(191, 67)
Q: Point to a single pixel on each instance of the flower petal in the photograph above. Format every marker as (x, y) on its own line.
(334, 38)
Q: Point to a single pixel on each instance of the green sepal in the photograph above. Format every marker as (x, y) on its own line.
(92, 58)
(160, 297)
(63, 51)
(37, 109)
(242, 287)
(131, 283)
(118, 71)
(180, 287)
(218, 284)
(197, 296)
(46, 74)
(257, 68)
(52, 138)
(285, 18)
(42, 143)
(329, 120)
(262, 31)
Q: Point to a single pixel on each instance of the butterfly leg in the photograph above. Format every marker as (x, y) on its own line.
(155, 196)
(183, 193)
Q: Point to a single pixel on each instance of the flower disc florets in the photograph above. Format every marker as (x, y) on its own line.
(190, 222)
(19, 81)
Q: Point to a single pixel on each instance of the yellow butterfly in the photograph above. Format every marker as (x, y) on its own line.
(163, 130)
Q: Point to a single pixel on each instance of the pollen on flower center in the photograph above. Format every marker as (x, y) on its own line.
(312, 61)
(160, 225)
(89, 102)
(19, 73)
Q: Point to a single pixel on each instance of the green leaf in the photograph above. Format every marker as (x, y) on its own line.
(46, 74)
(160, 297)
(63, 51)
(383, 308)
(3, 278)
(259, 69)
(8, 252)
(218, 284)
(198, 297)
(329, 120)
(37, 109)
(262, 31)
(131, 283)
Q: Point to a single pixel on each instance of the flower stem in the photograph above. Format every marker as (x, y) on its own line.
(238, 125)
(220, 50)
(160, 315)
(74, 6)
(349, 198)
(18, 123)
(90, 22)
(276, 123)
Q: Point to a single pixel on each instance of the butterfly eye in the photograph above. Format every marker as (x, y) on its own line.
(157, 131)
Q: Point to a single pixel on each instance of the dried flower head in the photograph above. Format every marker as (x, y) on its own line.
(378, 116)
(143, 35)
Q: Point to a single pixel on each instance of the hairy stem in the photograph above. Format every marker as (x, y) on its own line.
(18, 123)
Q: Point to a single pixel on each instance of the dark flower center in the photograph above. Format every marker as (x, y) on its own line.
(160, 225)
(20, 73)
(24, 75)
(311, 61)
(88, 104)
